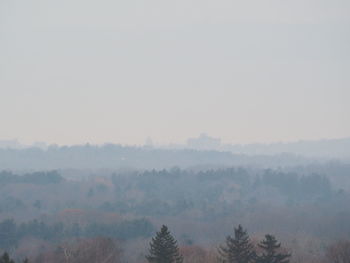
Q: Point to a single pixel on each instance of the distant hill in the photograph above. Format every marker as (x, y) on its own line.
(327, 148)
(203, 151)
(335, 148)
(121, 157)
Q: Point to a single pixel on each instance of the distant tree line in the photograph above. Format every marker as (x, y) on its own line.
(164, 190)
(11, 233)
(295, 186)
(116, 156)
(49, 177)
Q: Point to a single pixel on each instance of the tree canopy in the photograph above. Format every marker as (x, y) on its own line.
(164, 248)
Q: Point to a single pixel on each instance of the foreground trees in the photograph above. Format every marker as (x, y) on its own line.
(163, 248)
(270, 251)
(238, 249)
(6, 258)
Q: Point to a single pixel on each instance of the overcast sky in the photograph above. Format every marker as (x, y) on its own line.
(77, 71)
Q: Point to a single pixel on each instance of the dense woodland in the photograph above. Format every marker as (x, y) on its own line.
(183, 131)
(46, 214)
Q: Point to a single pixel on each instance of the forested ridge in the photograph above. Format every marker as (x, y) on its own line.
(305, 207)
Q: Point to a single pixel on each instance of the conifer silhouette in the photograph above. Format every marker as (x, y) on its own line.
(163, 248)
(270, 251)
(6, 258)
(237, 249)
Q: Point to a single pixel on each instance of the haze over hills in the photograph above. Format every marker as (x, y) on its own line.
(83, 83)
(203, 151)
(325, 148)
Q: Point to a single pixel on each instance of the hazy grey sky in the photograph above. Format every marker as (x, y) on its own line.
(76, 71)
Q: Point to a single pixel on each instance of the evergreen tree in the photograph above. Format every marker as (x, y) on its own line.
(238, 249)
(163, 248)
(6, 258)
(270, 251)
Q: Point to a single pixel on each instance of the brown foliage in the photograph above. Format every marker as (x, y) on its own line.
(196, 254)
(96, 250)
(339, 252)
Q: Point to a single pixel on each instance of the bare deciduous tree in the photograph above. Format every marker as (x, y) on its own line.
(339, 252)
(94, 250)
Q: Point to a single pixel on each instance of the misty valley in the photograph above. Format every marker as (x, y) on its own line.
(174, 131)
(69, 215)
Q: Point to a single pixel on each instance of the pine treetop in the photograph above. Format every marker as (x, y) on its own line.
(237, 249)
(271, 253)
(163, 248)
